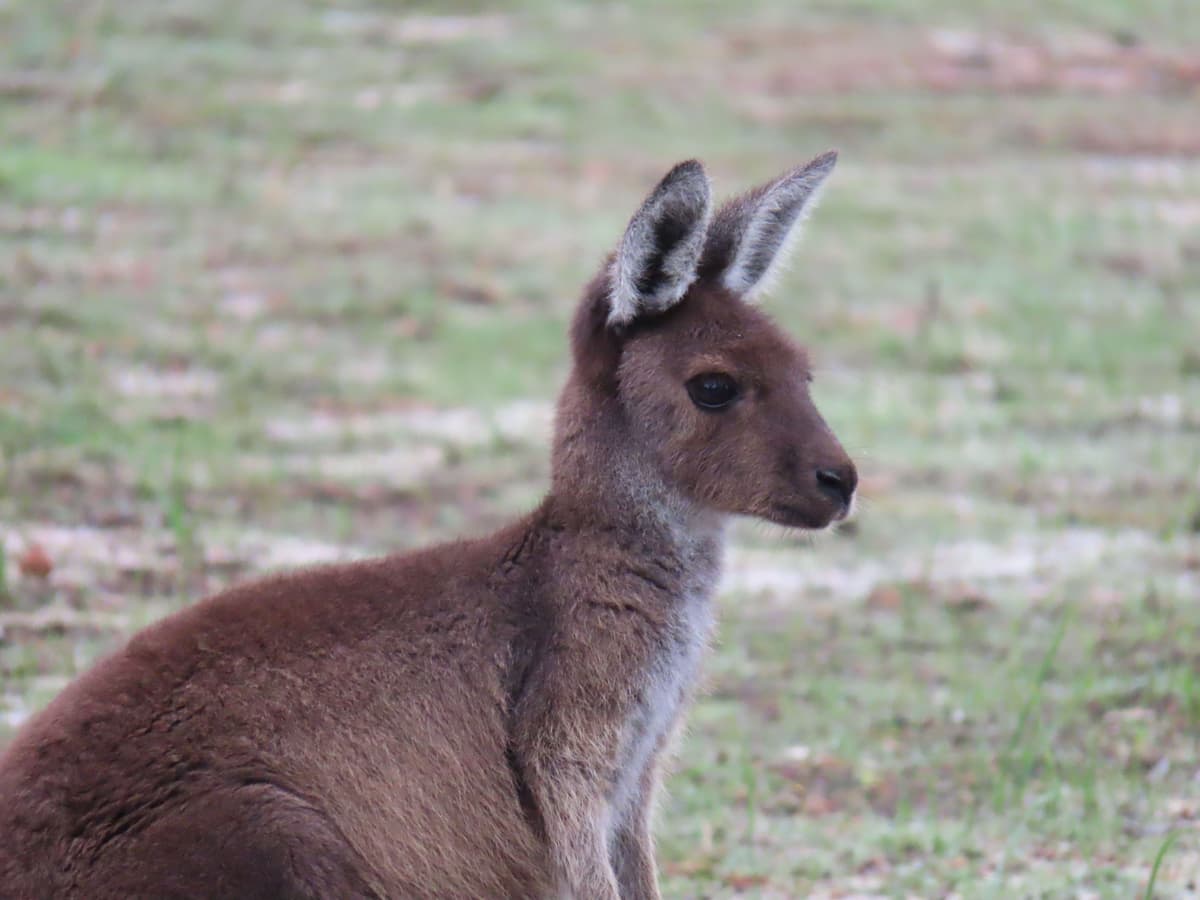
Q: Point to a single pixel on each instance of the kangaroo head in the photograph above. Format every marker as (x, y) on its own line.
(706, 384)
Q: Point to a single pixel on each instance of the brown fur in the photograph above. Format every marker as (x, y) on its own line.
(480, 719)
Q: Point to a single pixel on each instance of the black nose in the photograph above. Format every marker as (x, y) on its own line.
(838, 483)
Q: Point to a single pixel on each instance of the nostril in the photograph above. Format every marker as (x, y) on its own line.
(838, 484)
(829, 480)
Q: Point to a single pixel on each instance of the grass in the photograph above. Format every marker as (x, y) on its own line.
(286, 282)
(1162, 851)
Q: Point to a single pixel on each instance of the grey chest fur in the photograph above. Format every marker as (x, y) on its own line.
(668, 685)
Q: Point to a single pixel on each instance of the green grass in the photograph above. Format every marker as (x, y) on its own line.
(280, 282)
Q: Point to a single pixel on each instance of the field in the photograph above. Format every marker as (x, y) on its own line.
(287, 282)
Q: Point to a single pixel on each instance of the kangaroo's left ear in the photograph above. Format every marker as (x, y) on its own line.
(751, 235)
(659, 254)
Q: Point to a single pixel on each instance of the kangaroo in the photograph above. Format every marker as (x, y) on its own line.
(485, 718)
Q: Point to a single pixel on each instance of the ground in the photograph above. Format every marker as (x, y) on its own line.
(282, 283)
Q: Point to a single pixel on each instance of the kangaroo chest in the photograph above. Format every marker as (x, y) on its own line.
(667, 687)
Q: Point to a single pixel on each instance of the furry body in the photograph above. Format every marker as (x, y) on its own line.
(486, 718)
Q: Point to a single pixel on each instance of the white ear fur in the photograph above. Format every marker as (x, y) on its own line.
(660, 252)
(766, 224)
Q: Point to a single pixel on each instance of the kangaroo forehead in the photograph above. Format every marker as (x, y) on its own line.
(716, 329)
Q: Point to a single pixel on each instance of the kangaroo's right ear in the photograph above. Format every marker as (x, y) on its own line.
(752, 234)
(658, 257)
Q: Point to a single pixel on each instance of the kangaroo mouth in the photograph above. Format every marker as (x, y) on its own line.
(809, 516)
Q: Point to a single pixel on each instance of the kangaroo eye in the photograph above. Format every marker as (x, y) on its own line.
(712, 390)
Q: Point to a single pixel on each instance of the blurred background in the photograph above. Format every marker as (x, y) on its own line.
(283, 282)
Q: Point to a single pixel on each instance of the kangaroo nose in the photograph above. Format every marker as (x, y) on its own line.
(838, 483)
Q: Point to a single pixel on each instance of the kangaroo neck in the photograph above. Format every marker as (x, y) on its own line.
(609, 489)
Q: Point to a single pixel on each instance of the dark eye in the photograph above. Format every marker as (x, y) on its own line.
(712, 390)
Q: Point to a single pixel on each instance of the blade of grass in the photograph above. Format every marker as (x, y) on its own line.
(1162, 851)
(1033, 700)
